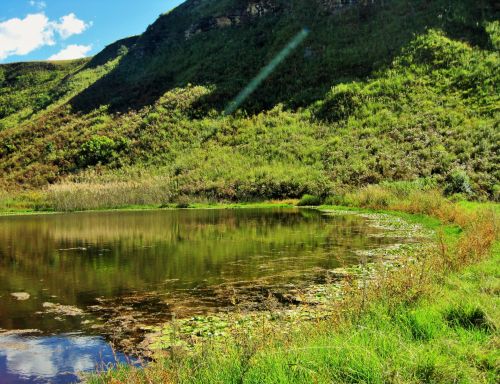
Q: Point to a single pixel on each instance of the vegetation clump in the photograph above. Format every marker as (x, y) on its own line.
(469, 318)
(389, 104)
(309, 200)
(98, 150)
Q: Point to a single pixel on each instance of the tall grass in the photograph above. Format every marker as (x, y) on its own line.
(432, 321)
(22, 201)
(112, 194)
(412, 198)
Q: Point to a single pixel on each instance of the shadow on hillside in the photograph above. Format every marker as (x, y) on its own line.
(344, 45)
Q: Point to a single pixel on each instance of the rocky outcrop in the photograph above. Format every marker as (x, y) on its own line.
(257, 8)
(254, 9)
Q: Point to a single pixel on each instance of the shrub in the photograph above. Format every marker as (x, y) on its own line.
(98, 150)
(182, 202)
(122, 51)
(493, 30)
(458, 182)
(341, 103)
(436, 50)
(496, 192)
(42, 102)
(309, 200)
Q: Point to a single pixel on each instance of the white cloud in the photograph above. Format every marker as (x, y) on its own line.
(72, 52)
(70, 25)
(38, 4)
(23, 36)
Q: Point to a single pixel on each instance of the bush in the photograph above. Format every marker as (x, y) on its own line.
(496, 193)
(309, 200)
(493, 30)
(458, 182)
(341, 103)
(98, 150)
(436, 50)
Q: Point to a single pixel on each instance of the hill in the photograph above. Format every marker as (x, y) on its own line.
(380, 91)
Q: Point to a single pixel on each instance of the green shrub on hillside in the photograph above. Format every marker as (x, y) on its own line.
(493, 30)
(98, 150)
(436, 50)
(459, 182)
(340, 103)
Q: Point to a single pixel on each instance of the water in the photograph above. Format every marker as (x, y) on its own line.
(53, 359)
(99, 277)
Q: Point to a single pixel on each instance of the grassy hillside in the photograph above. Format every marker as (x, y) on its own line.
(383, 97)
(26, 88)
(222, 44)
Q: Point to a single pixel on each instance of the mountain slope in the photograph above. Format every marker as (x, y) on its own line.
(429, 112)
(223, 44)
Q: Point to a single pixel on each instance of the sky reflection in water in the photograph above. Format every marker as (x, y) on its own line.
(52, 359)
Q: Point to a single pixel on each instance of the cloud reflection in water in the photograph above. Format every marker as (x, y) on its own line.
(52, 359)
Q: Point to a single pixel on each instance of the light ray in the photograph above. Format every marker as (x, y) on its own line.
(266, 72)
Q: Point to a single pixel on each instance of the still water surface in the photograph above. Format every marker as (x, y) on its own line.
(84, 269)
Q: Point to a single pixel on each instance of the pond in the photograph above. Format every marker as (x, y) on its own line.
(72, 283)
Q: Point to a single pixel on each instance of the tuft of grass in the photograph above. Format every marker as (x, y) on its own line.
(110, 195)
(468, 317)
(309, 201)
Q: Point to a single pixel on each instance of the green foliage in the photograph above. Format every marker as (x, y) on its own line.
(123, 50)
(468, 317)
(459, 182)
(309, 200)
(98, 150)
(493, 30)
(340, 103)
(403, 189)
(435, 50)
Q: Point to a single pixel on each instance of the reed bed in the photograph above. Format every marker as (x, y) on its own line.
(110, 195)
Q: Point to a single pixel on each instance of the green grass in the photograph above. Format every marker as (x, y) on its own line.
(474, 205)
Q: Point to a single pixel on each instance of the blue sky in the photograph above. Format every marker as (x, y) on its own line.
(66, 29)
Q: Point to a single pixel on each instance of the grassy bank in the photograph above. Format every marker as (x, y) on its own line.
(435, 320)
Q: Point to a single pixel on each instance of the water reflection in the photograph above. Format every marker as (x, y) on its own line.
(140, 267)
(53, 359)
(74, 259)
